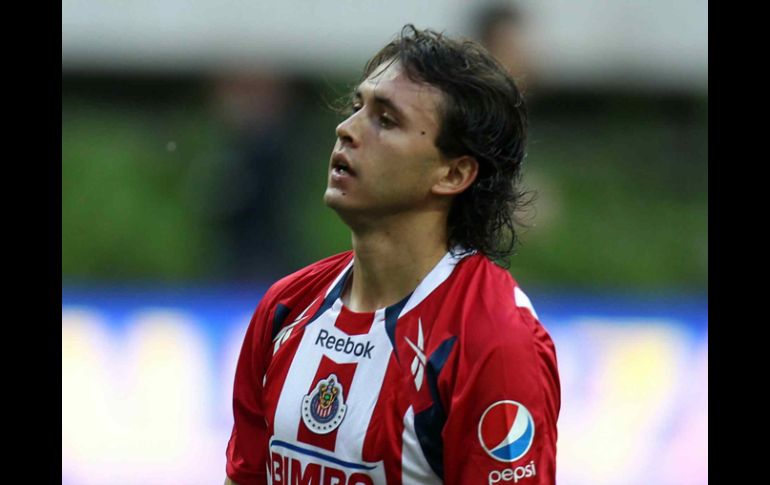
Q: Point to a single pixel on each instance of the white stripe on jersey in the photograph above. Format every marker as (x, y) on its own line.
(364, 392)
(299, 379)
(414, 465)
(437, 275)
(522, 300)
(337, 279)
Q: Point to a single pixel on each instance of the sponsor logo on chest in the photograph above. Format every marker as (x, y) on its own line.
(293, 463)
(355, 345)
(286, 470)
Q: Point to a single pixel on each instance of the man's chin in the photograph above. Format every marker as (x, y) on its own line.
(336, 197)
(333, 198)
(345, 208)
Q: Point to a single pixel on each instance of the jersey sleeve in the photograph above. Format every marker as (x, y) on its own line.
(502, 395)
(247, 448)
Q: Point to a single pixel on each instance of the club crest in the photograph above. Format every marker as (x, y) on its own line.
(324, 408)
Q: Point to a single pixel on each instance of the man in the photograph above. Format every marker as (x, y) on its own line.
(505, 30)
(413, 358)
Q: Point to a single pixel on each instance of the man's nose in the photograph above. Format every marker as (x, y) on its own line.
(346, 131)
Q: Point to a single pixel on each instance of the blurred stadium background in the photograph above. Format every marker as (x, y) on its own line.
(195, 141)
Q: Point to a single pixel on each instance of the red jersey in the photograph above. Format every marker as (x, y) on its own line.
(457, 383)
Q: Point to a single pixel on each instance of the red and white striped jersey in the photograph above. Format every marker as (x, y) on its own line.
(457, 383)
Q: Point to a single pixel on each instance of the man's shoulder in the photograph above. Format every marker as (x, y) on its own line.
(479, 280)
(312, 276)
(487, 292)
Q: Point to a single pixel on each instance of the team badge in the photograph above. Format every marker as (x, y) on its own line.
(506, 430)
(324, 408)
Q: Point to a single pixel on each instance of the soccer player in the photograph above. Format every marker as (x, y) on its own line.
(413, 358)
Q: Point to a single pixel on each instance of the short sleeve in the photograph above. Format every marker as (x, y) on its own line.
(247, 448)
(502, 395)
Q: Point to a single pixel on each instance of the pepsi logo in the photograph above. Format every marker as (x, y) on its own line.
(506, 430)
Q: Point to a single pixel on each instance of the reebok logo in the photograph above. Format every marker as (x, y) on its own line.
(285, 332)
(418, 363)
(345, 345)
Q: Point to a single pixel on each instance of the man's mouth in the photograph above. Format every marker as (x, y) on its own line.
(341, 165)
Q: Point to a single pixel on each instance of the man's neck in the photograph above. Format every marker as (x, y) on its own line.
(392, 259)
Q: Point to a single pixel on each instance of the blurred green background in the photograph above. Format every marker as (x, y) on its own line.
(621, 178)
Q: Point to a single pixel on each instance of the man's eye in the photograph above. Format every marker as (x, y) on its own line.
(386, 122)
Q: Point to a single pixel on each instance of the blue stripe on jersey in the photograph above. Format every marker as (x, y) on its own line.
(331, 297)
(281, 312)
(429, 423)
(391, 317)
(322, 456)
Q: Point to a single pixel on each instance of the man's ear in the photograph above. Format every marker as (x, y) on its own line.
(457, 175)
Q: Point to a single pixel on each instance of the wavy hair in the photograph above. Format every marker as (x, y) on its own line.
(482, 115)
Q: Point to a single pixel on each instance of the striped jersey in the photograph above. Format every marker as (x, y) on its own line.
(457, 383)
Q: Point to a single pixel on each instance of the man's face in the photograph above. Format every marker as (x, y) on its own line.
(388, 145)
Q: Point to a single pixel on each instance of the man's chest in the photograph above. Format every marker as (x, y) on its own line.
(326, 381)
